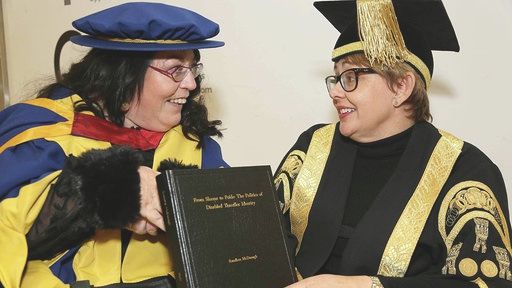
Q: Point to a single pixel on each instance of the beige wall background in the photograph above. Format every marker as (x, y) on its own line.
(266, 84)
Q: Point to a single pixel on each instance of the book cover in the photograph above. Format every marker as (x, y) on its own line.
(225, 228)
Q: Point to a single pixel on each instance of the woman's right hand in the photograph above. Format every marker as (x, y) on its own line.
(150, 218)
(332, 281)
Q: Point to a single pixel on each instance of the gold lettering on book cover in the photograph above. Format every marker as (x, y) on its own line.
(233, 200)
(449, 267)
(481, 232)
(504, 262)
(287, 174)
(308, 180)
(243, 259)
(405, 235)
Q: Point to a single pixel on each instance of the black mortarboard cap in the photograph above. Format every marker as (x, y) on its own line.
(391, 31)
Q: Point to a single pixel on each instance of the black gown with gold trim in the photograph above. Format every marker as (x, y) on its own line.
(441, 220)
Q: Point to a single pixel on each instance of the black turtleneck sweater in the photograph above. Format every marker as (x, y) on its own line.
(374, 164)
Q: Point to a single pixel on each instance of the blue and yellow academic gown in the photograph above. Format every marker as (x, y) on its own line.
(441, 220)
(36, 137)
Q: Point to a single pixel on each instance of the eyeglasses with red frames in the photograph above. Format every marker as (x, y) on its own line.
(179, 73)
(348, 79)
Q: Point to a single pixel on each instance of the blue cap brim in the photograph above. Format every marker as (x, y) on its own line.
(92, 42)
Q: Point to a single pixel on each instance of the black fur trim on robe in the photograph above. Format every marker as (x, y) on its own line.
(174, 164)
(99, 189)
(110, 184)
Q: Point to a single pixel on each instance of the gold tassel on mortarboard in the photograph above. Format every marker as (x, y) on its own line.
(380, 33)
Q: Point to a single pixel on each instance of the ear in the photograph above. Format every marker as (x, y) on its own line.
(404, 88)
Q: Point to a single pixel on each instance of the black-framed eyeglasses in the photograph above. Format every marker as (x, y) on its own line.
(179, 73)
(348, 79)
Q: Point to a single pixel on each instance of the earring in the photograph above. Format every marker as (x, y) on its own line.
(125, 107)
(395, 102)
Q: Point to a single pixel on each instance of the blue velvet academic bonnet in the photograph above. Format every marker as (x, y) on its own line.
(142, 26)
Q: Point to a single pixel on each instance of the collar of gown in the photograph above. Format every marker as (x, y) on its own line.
(92, 127)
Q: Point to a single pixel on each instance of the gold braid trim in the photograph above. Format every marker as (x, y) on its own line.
(299, 276)
(405, 235)
(307, 182)
(347, 48)
(410, 58)
(142, 41)
(480, 283)
(422, 68)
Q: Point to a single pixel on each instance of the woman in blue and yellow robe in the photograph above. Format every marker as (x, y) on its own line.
(71, 190)
(37, 138)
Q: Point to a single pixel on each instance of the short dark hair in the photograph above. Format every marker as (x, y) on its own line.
(111, 78)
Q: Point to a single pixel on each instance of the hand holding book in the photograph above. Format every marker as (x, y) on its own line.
(224, 226)
(150, 219)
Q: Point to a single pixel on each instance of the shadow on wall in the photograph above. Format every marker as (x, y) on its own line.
(211, 98)
(2, 95)
(441, 88)
(4, 80)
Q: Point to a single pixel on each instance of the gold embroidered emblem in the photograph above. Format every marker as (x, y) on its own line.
(457, 209)
(407, 231)
(288, 172)
(449, 267)
(489, 269)
(293, 163)
(482, 232)
(504, 262)
(471, 198)
(468, 267)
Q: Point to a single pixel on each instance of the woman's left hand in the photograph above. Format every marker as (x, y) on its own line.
(333, 281)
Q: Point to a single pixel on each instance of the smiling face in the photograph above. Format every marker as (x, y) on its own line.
(369, 113)
(161, 99)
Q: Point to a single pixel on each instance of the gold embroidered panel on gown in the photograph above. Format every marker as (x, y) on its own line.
(308, 180)
(405, 235)
(474, 202)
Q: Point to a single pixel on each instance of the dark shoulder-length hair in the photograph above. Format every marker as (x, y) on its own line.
(107, 79)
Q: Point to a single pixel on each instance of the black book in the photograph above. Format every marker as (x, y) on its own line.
(225, 228)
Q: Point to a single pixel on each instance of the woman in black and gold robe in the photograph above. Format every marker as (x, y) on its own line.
(383, 198)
